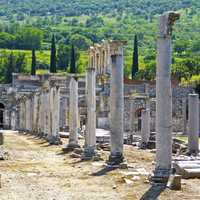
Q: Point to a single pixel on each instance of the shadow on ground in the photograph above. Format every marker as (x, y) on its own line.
(104, 171)
(153, 192)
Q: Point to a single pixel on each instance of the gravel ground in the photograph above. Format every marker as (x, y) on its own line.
(36, 171)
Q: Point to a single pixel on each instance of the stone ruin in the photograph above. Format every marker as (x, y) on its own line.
(47, 105)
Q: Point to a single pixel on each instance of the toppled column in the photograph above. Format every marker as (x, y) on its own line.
(145, 130)
(193, 124)
(184, 115)
(117, 103)
(90, 139)
(164, 98)
(73, 115)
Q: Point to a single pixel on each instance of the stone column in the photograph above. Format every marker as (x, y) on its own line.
(193, 124)
(184, 115)
(90, 138)
(13, 119)
(54, 115)
(145, 130)
(117, 103)
(34, 112)
(132, 116)
(28, 114)
(20, 116)
(73, 115)
(48, 114)
(164, 99)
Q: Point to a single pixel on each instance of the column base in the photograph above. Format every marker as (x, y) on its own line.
(54, 140)
(70, 147)
(115, 160)
(161, 176)
(89, 153)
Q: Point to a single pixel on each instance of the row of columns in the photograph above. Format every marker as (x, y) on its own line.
(163, 106)
(39, 113)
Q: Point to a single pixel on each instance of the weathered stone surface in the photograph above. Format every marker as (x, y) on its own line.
(164, 98)
(174, 182)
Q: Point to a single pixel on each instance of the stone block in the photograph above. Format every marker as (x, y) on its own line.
(174, 182)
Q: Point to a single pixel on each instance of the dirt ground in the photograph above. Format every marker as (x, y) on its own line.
(37, 171)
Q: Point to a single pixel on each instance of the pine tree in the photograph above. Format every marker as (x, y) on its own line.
(73, 61)
(33, 66)
(53, 56)
(135, 65)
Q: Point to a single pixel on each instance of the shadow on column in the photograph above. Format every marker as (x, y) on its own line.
(154, 192)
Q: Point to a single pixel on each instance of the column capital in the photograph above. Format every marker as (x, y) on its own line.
(166, 22)
(116, 47)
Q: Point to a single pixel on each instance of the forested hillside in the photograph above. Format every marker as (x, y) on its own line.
(29, 24)
(89, 7)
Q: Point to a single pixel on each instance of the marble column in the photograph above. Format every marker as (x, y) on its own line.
(13, 119)
(90, 138)
(54, 115)
(132, 116)
(117, 104)
(73, 115)
(193, 124)
(164, 99)
(20, 116)
(36, 113)
(145, 130)
(184, 115)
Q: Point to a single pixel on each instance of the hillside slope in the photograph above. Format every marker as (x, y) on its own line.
(79, 7)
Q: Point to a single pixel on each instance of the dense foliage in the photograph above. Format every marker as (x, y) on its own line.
(27, 25)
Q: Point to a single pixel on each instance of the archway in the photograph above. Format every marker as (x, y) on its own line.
(2, 108)
(138, 114)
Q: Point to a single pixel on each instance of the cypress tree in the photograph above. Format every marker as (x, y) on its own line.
(53, 56)
(10, 68)
(73, 61)
(33, 66)
(135, 65)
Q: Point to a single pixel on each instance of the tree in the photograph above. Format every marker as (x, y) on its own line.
(29, 38)
(73, 61)
(9, 67)
(80, 41)
(63, 57)
(135, 66)
(33, 65)
(53, 56)
(20, 63)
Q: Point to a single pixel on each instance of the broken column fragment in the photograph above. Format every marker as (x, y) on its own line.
(145, 130)
(73, 116)
(193, 124)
